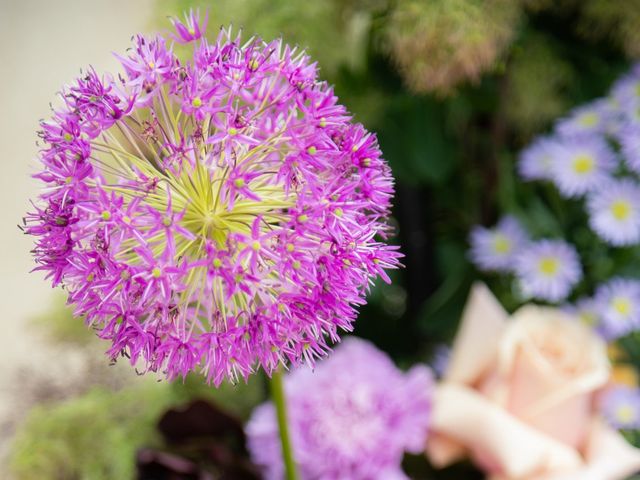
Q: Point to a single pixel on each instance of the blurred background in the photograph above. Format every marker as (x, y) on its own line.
(453, 88)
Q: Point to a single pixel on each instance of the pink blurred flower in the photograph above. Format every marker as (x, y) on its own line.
(352, 418)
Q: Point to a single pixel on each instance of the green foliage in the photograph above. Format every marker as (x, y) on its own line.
(58, 323)
(331, 31)
(96, 435)
(93, 437)
(539, 78)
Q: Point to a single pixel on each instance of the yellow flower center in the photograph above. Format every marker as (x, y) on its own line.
(625, 414)
(589, 119)
(549, 266)
(501, 244)
(621, 305)
(621, 209)
(583, 164)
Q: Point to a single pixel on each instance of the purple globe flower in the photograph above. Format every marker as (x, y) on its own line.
(548, 270)
(619, 304)
(353, 417)
(213, 214)
(614, 212)
(621, 407)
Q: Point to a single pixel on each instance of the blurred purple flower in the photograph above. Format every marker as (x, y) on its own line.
(535, 161)
(581, 164)
(548, 270)
(440, 360)
(629, 138)
(619, 304)
(591, 119)
(586, 310)
(495, 249)
(621, 407)
(351, 418)
(614, 212)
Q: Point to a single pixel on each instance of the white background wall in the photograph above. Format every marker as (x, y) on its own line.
(43, 44)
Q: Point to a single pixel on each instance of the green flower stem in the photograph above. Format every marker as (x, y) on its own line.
(277, 394)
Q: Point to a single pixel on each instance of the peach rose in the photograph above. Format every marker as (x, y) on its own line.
(518, 397)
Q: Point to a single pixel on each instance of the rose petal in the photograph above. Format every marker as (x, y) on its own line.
(476, 344)
(495, 438)
(608, 457)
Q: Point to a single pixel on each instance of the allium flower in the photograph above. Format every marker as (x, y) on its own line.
(581, 164)
(192, 28)
(619, 303)
(535, 161)
(621, 407)
(213, 214)
(496, 249)
(614, 212)
(590, 119)
(548, 270)
(353, 417)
